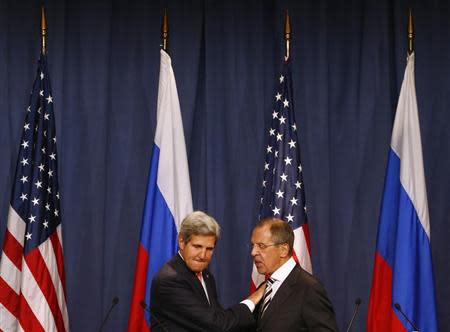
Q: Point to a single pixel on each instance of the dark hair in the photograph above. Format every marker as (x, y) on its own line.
(281, 232)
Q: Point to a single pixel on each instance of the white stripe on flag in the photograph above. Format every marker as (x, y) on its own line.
(48, 255)
(36, 299)
(173, 170)
(301, 250)
(407, 145)
(16, 225)
(10, 274)
(8, 322)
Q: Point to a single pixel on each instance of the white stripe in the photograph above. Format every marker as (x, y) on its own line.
(49, 257)
(36, 299)
(9, 273)
(8, 322)
(60, 238)
(301, 250)
(173, 172)
(16, 226)
(407, 144)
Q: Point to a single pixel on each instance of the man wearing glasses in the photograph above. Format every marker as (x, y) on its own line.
(294, 300)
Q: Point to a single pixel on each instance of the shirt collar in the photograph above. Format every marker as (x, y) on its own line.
(283, 271)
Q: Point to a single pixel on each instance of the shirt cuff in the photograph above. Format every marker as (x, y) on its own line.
(249, 304)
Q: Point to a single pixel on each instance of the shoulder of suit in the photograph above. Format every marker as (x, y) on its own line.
(305, 277)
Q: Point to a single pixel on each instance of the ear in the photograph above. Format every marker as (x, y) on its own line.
(181, 242)
(284, 250)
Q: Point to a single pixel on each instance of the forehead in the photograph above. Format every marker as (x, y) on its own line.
(203, 240)
(261, 234)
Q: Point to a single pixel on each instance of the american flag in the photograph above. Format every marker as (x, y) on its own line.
(32, 283)
(283, 192)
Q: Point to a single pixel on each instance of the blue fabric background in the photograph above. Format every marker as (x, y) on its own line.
(348, 60)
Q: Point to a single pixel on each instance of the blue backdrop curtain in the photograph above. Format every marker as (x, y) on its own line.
(348, 60)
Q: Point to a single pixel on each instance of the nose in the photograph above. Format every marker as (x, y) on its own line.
(202, 254)
(254, 251)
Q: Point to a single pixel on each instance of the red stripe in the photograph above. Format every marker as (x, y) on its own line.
(381, 316)
(136, 321)
(13, 249)
(27, 319)
(305, 228)
(57, 248)
(19, 307)
(41, 274)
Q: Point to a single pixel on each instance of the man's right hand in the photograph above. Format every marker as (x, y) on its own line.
(258, 294)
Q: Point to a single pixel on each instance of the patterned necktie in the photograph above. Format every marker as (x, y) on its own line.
(267, 295)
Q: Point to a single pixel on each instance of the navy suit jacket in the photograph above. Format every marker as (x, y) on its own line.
(178, 303)
(301, 304)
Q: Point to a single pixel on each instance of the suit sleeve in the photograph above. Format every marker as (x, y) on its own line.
(177, 302)
(318, 312)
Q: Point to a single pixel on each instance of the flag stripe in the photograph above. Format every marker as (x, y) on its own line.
(28, 321)
(8, 297)
(8, 322)
(57, 253)
(16, 226)
(39, 270)
(58, 300)
(12, 249)
(10, 274)
(301, 249)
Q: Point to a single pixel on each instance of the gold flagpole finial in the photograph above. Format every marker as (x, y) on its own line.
(165, 32)
(43, 31)
(410, 33)
(287, 33)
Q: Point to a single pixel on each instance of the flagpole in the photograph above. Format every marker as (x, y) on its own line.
(287, 34)
(410, 33)
(43, 31)
(165, 32)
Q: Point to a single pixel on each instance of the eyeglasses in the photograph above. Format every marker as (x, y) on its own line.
(263, 246)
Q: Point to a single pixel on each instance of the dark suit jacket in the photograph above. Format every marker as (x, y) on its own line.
(300, 304)
(178, 302)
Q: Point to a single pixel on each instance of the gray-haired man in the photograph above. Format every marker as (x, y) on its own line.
(183, 293)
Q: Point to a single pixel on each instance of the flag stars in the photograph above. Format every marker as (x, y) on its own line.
(279, 137)
(281, 79)
(300, 169)
(57, 195)
(35, 201)
(274, 115)
(266, 166)
(294, 201)
(285, 103)
(272, 132)
(56, 213)
(50, 173)
(47, 206)
(282, 119)
(43, 150)
(38, 184)
(276, 154)
(264, 184)
(49, 99)
(292, 144)
(288, 161)
(41, 167)
(54, 139)
(32, 218)
(290, 218)
(49, 189)
(283, 177)
(278, 96)
(279, 193)
(28, 236)
(269, 149)
(24, 144)
(24, 179)
(53, 156)
(23, 197)
(41, 75)
(45, 223)
(46, 117)
(29, 109)
(41, 93)
(24, 161)
(298, 185)
(26, 126)
(276, 211)
(294, 127)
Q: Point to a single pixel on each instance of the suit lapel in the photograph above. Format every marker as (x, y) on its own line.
(190, 277)
(281, 295)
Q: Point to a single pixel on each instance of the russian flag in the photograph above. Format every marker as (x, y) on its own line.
(168, 198)
(403, 271)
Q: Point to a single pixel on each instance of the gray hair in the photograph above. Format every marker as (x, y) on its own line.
(281, 232)
(198, 223)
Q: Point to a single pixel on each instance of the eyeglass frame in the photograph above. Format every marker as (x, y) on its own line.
(263, 246)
